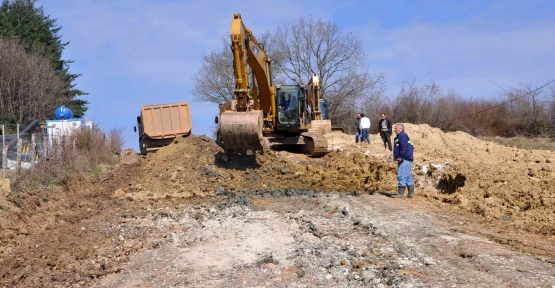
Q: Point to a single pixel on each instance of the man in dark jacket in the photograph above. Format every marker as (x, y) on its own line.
(403, 154)
(385, 131)
(359, 132)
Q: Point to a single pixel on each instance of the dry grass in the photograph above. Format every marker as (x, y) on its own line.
(538, 143)
(79, 155)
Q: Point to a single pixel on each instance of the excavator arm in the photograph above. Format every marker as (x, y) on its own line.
(240, 69)
(313, 94)
(313, 98)
(243, 119)
(249, 53)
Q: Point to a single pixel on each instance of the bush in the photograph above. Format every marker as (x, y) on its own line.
(115, 138)
(75, 156)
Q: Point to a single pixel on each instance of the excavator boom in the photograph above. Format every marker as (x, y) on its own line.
(318, 124)
(242, 123)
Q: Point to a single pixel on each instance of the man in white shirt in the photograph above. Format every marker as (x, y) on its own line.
(365, 128)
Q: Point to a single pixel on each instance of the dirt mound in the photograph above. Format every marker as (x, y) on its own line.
(190, 167)
(4, 192)
(193, 166)
(455, 168)
(495, 181)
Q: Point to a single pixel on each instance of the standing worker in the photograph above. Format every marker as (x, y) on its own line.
(365, 128)
(359, 133)
(385, 131)
(403, 154)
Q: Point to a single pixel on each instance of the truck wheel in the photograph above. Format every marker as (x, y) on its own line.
(219, 141)
(142, 146)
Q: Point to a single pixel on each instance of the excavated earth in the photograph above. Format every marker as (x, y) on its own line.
(192, 216)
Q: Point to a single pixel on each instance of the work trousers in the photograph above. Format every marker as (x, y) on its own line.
(365, 136)
(404, 175)
(386, 138)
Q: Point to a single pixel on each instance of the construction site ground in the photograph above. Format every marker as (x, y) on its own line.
(192, 216)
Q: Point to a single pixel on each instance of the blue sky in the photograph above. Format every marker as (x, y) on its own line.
(140, 52)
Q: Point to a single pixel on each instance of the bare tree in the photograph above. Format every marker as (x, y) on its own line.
(215, 82)
(551, 109)
(338, 58)
(30, 88)
(524, 111)
(528, 112)
(415, 104)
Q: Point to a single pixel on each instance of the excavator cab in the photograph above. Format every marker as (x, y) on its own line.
(288, 107)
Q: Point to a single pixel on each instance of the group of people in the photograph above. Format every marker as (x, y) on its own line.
(363, 130)
(402, 151)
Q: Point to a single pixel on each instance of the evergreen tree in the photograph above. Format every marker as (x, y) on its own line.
(21, 20)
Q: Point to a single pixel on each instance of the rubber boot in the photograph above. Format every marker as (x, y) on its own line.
(400, 193)
(411, 191)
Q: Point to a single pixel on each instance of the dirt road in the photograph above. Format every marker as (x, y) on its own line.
(321, 241)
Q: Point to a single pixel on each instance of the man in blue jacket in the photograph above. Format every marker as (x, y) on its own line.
(403, 154)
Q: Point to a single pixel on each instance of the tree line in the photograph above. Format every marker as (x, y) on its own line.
(522, 110)
(307, 46)
(34, 79)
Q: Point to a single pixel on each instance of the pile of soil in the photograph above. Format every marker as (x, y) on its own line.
(456, 169)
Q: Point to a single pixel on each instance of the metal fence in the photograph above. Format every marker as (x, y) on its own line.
(23, 150)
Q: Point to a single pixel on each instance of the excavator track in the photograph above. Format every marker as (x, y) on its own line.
(316, 144)
(241, 130)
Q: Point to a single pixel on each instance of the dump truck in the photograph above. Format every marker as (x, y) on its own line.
(158, 125)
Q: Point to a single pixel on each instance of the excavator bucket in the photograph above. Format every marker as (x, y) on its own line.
(242, 130)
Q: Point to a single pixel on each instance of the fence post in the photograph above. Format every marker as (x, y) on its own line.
(5, 161)
(32, 150)
(3, 136)
(62, 147)
(18, 159)
(45, 145)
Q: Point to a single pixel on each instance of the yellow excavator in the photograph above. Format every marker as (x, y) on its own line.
(281, 117)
